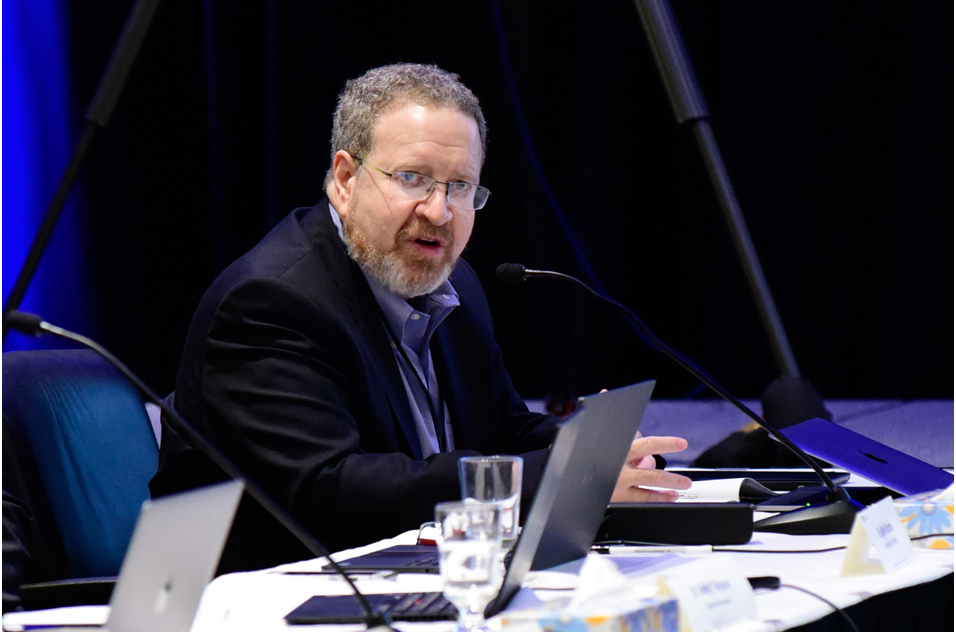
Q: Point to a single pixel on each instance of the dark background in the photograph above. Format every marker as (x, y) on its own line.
(835, 120)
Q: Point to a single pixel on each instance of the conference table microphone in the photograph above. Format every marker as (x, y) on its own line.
(836, 516)
(34, 325)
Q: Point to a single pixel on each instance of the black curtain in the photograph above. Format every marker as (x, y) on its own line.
(834, 118)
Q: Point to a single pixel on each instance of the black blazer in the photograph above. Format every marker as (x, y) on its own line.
(288, 369)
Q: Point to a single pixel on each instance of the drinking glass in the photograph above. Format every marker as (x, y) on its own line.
(495, 479)
(468, 547)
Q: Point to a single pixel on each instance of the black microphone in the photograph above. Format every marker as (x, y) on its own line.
(836, 517)
(24, 322)
(33, 325)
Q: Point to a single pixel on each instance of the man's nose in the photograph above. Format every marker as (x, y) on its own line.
(434, 207)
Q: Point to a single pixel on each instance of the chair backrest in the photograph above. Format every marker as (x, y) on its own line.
(86, 431)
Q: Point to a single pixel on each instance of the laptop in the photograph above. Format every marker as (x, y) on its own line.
(865, 457)
(171, 558)
(583, 467)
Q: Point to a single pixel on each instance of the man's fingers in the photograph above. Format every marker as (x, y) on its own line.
(653, 478)
(647, 463)
(646, 446)
(639, 473)
(641, 495)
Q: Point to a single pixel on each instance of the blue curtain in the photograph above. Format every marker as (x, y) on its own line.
(39, 130)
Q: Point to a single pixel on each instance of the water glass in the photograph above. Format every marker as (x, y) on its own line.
(495, 479)
(468, 547)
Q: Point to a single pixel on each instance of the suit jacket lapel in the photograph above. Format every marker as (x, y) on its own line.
(464, 403)
(360, 302)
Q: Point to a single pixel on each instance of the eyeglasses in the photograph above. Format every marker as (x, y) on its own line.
(414, 187)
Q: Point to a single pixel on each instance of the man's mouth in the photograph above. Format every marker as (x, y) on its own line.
(428, 243)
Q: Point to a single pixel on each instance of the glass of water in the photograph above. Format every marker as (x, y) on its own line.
(495, 479)
(468, 547)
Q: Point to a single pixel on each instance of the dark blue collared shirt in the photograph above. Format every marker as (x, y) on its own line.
(413, 329)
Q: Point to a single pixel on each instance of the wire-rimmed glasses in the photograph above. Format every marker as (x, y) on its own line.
(415, 187)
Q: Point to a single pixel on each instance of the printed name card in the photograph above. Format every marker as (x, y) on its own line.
(712, 593)
(877, 527)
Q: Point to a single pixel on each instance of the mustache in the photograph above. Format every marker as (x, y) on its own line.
(422, 229)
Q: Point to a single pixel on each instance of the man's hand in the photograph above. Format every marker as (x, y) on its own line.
(638, 472)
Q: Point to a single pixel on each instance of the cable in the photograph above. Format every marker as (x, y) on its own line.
(837, 609)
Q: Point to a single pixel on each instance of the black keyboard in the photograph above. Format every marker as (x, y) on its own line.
(420, 606)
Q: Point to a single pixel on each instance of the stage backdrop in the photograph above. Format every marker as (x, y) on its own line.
(834, 119)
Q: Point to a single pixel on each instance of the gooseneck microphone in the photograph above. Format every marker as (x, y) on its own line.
(836, 517)
(33, 325)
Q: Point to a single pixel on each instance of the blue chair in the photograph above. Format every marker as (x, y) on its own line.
(84, 451)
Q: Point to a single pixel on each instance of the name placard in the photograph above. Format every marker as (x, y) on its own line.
(877, 527)
(711, 593)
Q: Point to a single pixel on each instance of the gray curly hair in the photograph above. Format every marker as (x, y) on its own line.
(379, 90)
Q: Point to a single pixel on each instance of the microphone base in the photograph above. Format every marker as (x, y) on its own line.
(790, 400)
(835, 517)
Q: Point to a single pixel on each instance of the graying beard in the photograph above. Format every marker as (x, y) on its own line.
(387, 270)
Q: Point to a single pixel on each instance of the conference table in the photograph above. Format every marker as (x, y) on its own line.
(917, 597)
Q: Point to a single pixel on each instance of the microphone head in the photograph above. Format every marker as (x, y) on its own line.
(511, 272)
(24, 322)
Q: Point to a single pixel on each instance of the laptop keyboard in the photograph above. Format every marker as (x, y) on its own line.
(421, 606)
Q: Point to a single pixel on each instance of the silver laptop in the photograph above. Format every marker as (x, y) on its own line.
(171, 558)
(582, 470)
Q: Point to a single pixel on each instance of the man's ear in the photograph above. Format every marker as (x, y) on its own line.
(344, 170)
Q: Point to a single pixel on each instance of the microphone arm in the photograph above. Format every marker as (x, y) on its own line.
(97, 117)
(846, 508)
(33, 325)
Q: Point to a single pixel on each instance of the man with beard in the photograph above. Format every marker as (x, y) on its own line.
(348, 360)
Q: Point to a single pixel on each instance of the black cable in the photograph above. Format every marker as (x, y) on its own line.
(837, 609)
